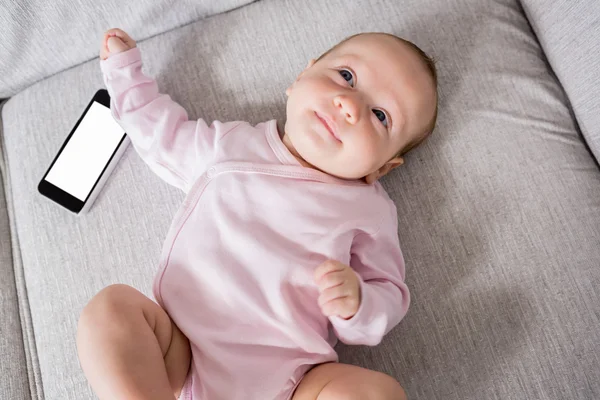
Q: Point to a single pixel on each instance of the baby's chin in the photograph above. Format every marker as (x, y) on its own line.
(321, 159)
(332, 168)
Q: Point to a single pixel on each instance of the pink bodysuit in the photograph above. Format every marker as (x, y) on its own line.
(236, 270)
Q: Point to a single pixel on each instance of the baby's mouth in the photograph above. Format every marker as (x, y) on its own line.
(326, 122)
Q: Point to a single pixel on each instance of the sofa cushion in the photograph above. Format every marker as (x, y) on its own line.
(499, 211)
(14, 383)
(569, 32)
(41, 38)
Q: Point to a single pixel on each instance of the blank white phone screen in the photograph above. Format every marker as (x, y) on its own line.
(86, 154)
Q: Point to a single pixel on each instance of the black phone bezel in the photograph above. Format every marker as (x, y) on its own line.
(55, 193)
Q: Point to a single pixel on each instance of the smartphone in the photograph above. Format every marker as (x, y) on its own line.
(86, 158)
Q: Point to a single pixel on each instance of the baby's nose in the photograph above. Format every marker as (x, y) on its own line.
(348, 107)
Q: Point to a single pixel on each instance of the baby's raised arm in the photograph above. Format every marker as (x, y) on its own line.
(174, 147)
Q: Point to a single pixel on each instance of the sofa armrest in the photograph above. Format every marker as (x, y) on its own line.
(569, 32)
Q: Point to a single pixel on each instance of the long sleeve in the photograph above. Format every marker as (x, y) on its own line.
(174, 148)
(385, 298)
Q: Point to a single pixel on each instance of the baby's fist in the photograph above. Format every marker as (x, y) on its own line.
(339, 289)
(115, 41)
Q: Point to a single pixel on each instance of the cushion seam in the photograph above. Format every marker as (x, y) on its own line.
(29, 346)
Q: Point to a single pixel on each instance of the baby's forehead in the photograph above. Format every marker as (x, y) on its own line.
(383, 55)
(369, 45)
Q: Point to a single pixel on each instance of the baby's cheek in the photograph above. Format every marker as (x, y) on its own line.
(364, 152)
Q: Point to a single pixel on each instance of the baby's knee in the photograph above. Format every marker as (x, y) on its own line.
(106, 306)
(384, 387)
(390, 389)
(370, 386)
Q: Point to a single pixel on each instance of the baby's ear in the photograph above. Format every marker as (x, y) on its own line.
(387, 167)
(310, 64)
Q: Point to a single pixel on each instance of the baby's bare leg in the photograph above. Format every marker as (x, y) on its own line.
(333, 381)
(129, 348)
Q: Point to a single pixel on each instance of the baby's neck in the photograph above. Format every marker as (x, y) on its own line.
(287, 143)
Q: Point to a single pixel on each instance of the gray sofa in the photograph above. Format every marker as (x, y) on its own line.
(499, 211)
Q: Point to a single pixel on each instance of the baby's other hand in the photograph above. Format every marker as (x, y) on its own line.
(115, 41)
(339, 289)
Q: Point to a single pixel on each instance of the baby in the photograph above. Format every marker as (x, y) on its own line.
(285, 242)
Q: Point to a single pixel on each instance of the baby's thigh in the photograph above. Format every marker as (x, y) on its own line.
(333, 381)
(137, 320)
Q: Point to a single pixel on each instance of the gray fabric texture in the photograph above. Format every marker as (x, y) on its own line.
(13, 368)
(499, 211)
(569, 32)
(39, 38)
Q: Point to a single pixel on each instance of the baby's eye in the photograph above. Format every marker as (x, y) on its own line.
(347, 75)
(381, 116)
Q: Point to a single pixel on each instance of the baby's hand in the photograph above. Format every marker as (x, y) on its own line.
(339, 288)
(115, 41)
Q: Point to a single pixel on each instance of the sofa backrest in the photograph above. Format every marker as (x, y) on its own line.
(14, 383)
(569, 32)
(39, 38)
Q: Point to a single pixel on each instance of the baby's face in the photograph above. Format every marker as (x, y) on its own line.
(349, 113)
